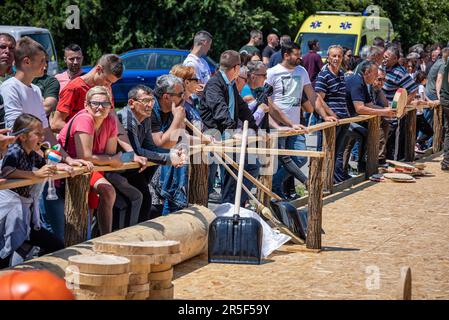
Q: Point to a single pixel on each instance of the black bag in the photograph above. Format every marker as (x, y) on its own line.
(294, 219)
(235, 240)
(288, 215)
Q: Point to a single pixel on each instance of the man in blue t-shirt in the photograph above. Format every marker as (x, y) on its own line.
(397, 77)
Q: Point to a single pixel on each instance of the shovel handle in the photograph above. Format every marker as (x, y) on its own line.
(238, 193)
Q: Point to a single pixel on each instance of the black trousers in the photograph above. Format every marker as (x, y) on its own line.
(445, 105)
(425, 128)
(141, 182)
(41, 238)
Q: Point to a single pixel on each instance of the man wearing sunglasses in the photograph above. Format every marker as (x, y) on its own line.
(222, 107)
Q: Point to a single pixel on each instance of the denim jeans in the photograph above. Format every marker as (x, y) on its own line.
(52, 213)
(355, 139)
(174, 184)
(289, 165)
(229, 184)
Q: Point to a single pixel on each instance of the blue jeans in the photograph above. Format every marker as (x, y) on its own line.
(174, 183)
(229, 184)
(289, 165)
(52, 213)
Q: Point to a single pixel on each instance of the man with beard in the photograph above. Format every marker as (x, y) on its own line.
(256, 39)
(73, 58)
(289, 80)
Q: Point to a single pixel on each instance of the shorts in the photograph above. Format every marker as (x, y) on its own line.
(93, 198)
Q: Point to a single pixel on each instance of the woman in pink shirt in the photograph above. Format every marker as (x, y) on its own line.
(92, 135)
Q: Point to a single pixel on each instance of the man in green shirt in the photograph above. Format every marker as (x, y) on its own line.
(256, 39)
(49, 86)
(444, 99)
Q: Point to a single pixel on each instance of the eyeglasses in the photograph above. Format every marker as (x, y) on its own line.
(260, 74)
(193, 79)
(179, 94)
(96, 104)
(381, 79)
(246, 79)
(146, 101)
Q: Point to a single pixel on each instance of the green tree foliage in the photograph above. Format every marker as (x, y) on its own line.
(118, 26)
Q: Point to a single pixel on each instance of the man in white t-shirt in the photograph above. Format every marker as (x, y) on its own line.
(289, 80)
(201, 46)
(21, 96)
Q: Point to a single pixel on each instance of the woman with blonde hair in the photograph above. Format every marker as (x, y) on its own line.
(92, 135)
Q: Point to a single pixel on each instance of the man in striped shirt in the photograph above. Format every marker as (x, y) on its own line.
(331, 91)
(396, 77)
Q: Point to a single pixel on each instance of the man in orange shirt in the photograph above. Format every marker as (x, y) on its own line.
(108, 70)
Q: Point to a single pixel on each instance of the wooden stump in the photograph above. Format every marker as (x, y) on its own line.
(372, 146)
(76, 195)
(410, 136)
(437, 129)
(313, 238)
(329, 149)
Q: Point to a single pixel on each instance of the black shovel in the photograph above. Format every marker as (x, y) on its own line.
(236, 239)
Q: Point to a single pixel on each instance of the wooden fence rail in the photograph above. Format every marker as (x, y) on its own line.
(320, 172)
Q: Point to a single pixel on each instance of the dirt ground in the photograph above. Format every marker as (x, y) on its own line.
(372, 231)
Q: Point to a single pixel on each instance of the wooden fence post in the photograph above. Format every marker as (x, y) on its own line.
(313, 238)
(75, 208)
(329, 149)
(410, 136)
(437, 129)
(198, 188)
(266, 173)
(372, 147)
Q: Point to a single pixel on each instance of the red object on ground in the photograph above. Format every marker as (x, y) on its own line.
(33, 285)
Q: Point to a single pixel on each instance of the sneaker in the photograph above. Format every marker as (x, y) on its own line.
(418, 149)
(215, 197)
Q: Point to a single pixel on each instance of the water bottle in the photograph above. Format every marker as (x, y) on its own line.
(53, 157)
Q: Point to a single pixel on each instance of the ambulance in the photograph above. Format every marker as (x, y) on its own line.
(348, 29)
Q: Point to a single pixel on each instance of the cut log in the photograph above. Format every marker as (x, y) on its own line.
(163, 275)
(94, 296)
(138, 295)
(74, 277)
(188, 226)
(140, 259)
(164, 294)
(139, 288)
(105, 291)
(437, 129)
(100, 264)
(160, 267)
(140, 268)
(138, 247)
(160, 284)
(138, 278)
(168, 258)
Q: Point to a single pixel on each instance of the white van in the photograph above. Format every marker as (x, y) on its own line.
(43, 36)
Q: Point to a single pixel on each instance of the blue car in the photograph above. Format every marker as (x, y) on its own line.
(143, 66)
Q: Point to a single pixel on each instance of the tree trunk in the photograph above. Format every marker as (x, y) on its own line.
(372, 147)
(76, 196)
(329, 149)
(437, 128)
(313, 239)
(410, 136)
